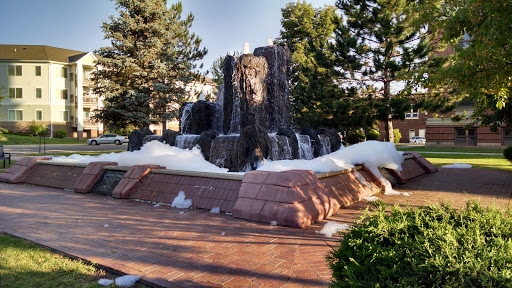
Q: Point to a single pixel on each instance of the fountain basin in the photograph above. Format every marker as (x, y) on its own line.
(296, 198)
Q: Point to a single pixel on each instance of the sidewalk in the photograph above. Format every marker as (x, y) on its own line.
(198, 248)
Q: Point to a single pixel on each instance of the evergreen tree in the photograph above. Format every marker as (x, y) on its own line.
(145, 71)
(481, 67)
(382, 47)
(317, 100)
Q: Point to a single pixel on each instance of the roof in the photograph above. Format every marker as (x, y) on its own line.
(39, 52)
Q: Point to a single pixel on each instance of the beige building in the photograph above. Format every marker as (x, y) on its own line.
(48, 85)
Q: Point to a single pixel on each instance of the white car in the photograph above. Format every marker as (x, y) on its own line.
(417, 140)
(108, 139)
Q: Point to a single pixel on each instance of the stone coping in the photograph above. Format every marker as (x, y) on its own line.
(47, 162)
(199, 174)
(336, 173)
(408, 156)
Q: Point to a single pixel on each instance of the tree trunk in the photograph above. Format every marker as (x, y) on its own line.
(390, 137)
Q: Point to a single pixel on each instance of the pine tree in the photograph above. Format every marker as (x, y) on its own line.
(382, 47)
(143, 75)
(316, 98)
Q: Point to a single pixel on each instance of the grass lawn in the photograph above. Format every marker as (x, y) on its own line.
(91, 153)
(462, 149)
(497, 162)
(25, 264)
(18, 139)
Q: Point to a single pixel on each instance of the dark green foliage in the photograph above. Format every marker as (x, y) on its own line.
(316, 98)
(355, 136)
(398, 135)
(432, 246)
(373, 134)
(507, 153)
(36, 127)
(61, 133)
(122, 131)
(145, 71)
(480, 67)
(379, 45)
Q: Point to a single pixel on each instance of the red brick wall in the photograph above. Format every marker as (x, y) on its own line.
(205, 193)
(56, 176)
(404, 126)
(446, 134)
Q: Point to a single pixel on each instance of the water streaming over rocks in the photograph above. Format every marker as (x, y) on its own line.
(250, 120)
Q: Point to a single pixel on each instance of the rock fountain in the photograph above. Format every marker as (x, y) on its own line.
(250, 120)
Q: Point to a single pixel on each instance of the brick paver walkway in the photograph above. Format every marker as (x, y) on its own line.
(197, 248)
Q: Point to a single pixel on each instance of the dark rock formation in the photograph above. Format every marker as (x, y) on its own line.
(252, 72)
(315, 141)
(136, 138)
(169, 136)
(334, 138)
(277, 102)
(252, 147)
(229, 107)
(200, 119)
(205, 143)
(292, 139)
(223, 152)
(149, 138)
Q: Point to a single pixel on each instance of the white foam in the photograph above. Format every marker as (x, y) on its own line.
(371, 198)
(331, 228)
(273, 223)
(458, 165)
(373, 154)
(180, 201)
(215, 210)
(127, 280)
(105, 282)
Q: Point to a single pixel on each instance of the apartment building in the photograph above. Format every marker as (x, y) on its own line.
(48, 85)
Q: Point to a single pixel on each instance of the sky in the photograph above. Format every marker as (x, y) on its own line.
(224, 25)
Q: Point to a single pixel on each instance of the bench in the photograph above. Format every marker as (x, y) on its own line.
(5, 156)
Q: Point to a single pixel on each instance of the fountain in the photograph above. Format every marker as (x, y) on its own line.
(250, 120)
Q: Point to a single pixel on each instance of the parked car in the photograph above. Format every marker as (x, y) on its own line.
(108, 139)
(417, 140)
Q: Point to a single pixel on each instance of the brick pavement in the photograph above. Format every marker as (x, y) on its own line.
(198, 248)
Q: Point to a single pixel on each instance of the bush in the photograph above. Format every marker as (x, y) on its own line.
(61, 133)
(122, 131)
(372, 134)
(37, 128)
(508, 153)
(355, 136)
(397, 135)
(430, 246)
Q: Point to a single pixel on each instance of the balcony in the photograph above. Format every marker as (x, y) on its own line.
(90, 101)
(87, 81)
(87, 124)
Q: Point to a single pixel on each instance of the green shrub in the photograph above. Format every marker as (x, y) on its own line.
(508, 153)
(61, 133)
(432, 246)
(37, 128)
(355, 136)
(122, 131)
(372, 134)
(397, 135)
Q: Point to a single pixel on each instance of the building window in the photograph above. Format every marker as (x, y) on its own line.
(15, 70)
(62, 115)
(15, 92)
(71, 78)
(64, 72)
(15, 115)
(465, 137)
(412, 115)
(38, 70)
(507, 137)
(39, 115)
(39, 93)
(62, 94)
